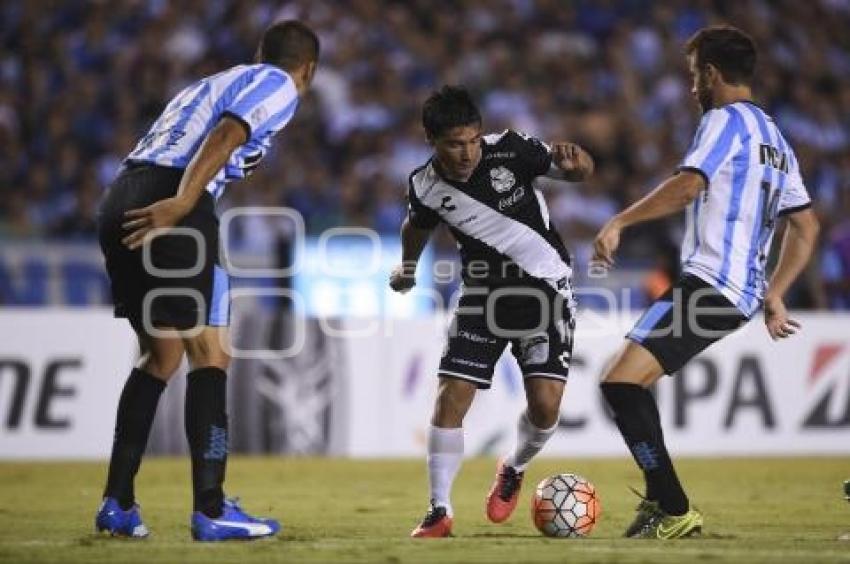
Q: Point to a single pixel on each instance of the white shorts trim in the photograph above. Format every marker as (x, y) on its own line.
(560, 377)
(464, 376)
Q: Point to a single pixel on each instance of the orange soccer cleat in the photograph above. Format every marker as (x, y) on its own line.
(436, 524)
(504, 494)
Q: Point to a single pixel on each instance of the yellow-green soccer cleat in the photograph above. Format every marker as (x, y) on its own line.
(663, 526)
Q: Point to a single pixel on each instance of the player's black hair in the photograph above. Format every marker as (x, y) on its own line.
(729, 49)
(448, 107)
(288, 44)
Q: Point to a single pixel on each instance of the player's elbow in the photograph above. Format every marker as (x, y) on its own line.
(805, 224)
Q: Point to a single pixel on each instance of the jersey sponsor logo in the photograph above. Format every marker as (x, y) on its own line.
(500, 155)
(773, 157)
(466, 362)
(445, 204)
(475, 338)
(511, 200)
(502, 179)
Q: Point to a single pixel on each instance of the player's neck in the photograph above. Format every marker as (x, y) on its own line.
(444, 172)
(300, 84)
(730, 94)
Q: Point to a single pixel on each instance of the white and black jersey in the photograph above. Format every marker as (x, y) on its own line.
(499, 217)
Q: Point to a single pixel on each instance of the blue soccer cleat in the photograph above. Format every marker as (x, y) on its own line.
(234, 524)
(118, 522)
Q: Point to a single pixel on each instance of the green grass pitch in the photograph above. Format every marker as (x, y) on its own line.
(764, 510)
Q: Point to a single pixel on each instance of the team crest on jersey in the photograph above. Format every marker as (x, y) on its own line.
(502, 179)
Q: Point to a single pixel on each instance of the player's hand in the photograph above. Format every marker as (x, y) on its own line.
(606, 243)
(572, 159)
(162, 214)
(779, 325)
(403, 277)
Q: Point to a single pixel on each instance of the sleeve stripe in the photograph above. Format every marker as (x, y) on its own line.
(233, 88)
(258, 81)
(258, 93)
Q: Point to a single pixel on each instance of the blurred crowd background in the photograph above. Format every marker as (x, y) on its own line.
(81, 81)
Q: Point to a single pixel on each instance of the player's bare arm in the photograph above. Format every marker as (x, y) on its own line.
(570, 162)
(210, 158)
(413, 241)
(797, 247)
(671, 196)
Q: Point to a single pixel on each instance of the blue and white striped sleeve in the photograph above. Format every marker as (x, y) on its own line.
(712, 144)
(266, 104)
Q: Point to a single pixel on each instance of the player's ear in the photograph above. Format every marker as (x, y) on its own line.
(310, 71)
(712, 74)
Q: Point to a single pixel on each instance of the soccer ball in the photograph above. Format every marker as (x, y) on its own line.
(565, 505)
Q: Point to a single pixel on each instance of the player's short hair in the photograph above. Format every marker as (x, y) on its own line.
(729, 49)
(289, 44)
(448, 107)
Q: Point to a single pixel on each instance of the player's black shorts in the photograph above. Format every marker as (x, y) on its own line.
(163, 296)
(538, 324)
(686, 320)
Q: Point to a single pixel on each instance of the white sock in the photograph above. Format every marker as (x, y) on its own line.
(445, 453)
(530, 440)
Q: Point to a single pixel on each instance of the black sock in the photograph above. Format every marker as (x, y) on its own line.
(651, 494)
(136, 410)
(206, 430)
(636, 415)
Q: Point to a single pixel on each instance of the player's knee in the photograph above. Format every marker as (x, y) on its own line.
(216, 359)
(205, 352)
(448, 412)
(622, 373)
(544, 412)
(453, 400)
(160, 366)
(619, 377)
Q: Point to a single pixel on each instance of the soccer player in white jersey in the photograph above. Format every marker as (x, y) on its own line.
(213, 132)
(737, 179)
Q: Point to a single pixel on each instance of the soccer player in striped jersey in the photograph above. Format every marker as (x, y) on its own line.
(213, 132)
(739, 177)
(516, 286)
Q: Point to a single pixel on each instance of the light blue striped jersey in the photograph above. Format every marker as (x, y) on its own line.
(262, 97)
(753, 177)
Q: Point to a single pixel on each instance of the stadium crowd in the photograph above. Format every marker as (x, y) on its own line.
(80, 81)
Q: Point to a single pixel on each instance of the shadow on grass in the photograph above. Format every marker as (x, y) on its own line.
(501, 536)
(98, 539)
